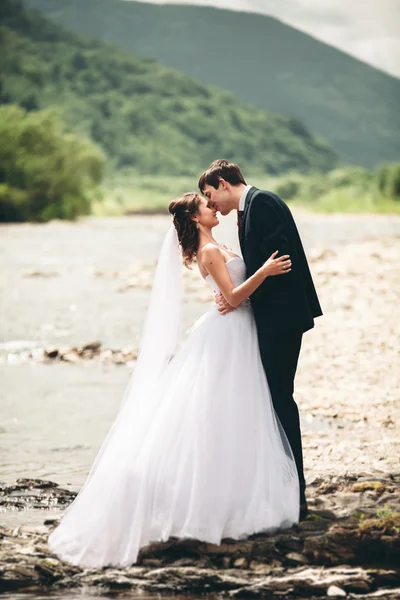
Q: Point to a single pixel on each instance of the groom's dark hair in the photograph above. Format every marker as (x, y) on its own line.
(221, 169)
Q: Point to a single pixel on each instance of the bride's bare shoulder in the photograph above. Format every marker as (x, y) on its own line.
(206, 255)
(210, 250)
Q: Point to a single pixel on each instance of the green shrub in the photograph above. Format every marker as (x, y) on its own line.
(348, 189)
(289, 187)
(45, 173)
(350, 176)
(12, 201)
(388, 180)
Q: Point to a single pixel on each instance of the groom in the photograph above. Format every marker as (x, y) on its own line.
(284, 307)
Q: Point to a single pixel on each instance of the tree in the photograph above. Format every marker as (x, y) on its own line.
(45, 173)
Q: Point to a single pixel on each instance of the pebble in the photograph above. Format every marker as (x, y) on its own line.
(336, 592)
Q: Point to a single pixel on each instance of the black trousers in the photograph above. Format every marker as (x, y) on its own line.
(280, 355)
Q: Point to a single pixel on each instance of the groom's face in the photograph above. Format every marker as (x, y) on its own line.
(220, 197)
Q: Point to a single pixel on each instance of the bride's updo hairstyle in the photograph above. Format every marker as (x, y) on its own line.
(183, 209)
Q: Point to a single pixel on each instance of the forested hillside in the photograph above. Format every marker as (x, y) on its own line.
(261, 60)
(142, 114)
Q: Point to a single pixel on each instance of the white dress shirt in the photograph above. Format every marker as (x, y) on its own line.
(243, 197)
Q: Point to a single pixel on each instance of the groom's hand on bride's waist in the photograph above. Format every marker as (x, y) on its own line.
(223, 306)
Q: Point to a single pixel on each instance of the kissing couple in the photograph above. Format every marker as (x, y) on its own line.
(206, 443)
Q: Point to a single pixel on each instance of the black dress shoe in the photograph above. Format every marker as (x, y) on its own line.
(303, 511)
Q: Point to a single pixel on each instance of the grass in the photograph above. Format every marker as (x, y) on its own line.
(374, 486)
(138, 194)
(141, 194)
(350, 200)
(314, 517)
(386, 521)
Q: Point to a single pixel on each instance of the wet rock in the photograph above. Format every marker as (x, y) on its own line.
(41, 484)
(240, 563)
(15, 577)
(321, 515)
(336, 592)
(43, 274)
(358, 587)
(71, 357)
(292, 543)
(51, 352)
(112, 580)
(223, 548)
(34, 493)
(90, 351)
(152, 562)
(22, 569)
(52, 522)
(304, 583)
(284, 564)
(260, 568)
(91, 346)
(296, 559)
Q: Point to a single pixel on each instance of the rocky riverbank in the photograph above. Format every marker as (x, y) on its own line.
(349, 546)
(72, 355)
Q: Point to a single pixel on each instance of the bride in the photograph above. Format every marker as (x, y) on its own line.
(196, 450)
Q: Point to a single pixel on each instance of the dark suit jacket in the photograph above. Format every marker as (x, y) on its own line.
(284, 302)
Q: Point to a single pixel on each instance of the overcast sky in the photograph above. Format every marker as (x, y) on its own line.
(367, 29)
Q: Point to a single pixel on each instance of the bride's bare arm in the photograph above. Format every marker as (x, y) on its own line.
(213, 261)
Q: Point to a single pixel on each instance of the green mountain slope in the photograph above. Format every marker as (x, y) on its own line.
(261, 60)
(143, 115)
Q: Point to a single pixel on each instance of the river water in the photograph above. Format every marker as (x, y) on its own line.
(82, 596)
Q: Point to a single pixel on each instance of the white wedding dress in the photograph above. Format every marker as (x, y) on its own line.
(203, 458)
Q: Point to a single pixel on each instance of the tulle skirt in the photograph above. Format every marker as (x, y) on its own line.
(202, 457)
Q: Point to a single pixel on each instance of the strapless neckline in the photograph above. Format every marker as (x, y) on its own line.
(228, 261)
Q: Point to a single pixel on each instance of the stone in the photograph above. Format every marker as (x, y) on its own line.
(70, 357)
(151, 562)
(92, 346)
(34, 493)
(35, 483)
(323, 514)
(296, 558)
(90, 351)
(291, 543)
(38, 273)
(259, 567)
(222, 548)
(358, 587)
(286, 563)
(336, 592)
(240, 563)
(51, 522)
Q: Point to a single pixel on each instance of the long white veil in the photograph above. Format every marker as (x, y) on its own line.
(163, 322)
(157, 346)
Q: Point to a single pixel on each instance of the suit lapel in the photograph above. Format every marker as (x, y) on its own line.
(248, 200)
(247, 203)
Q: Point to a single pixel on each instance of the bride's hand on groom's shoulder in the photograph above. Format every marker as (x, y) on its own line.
(223, 306)
(277, 266)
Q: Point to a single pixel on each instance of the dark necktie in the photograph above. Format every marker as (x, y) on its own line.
(240, 223)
